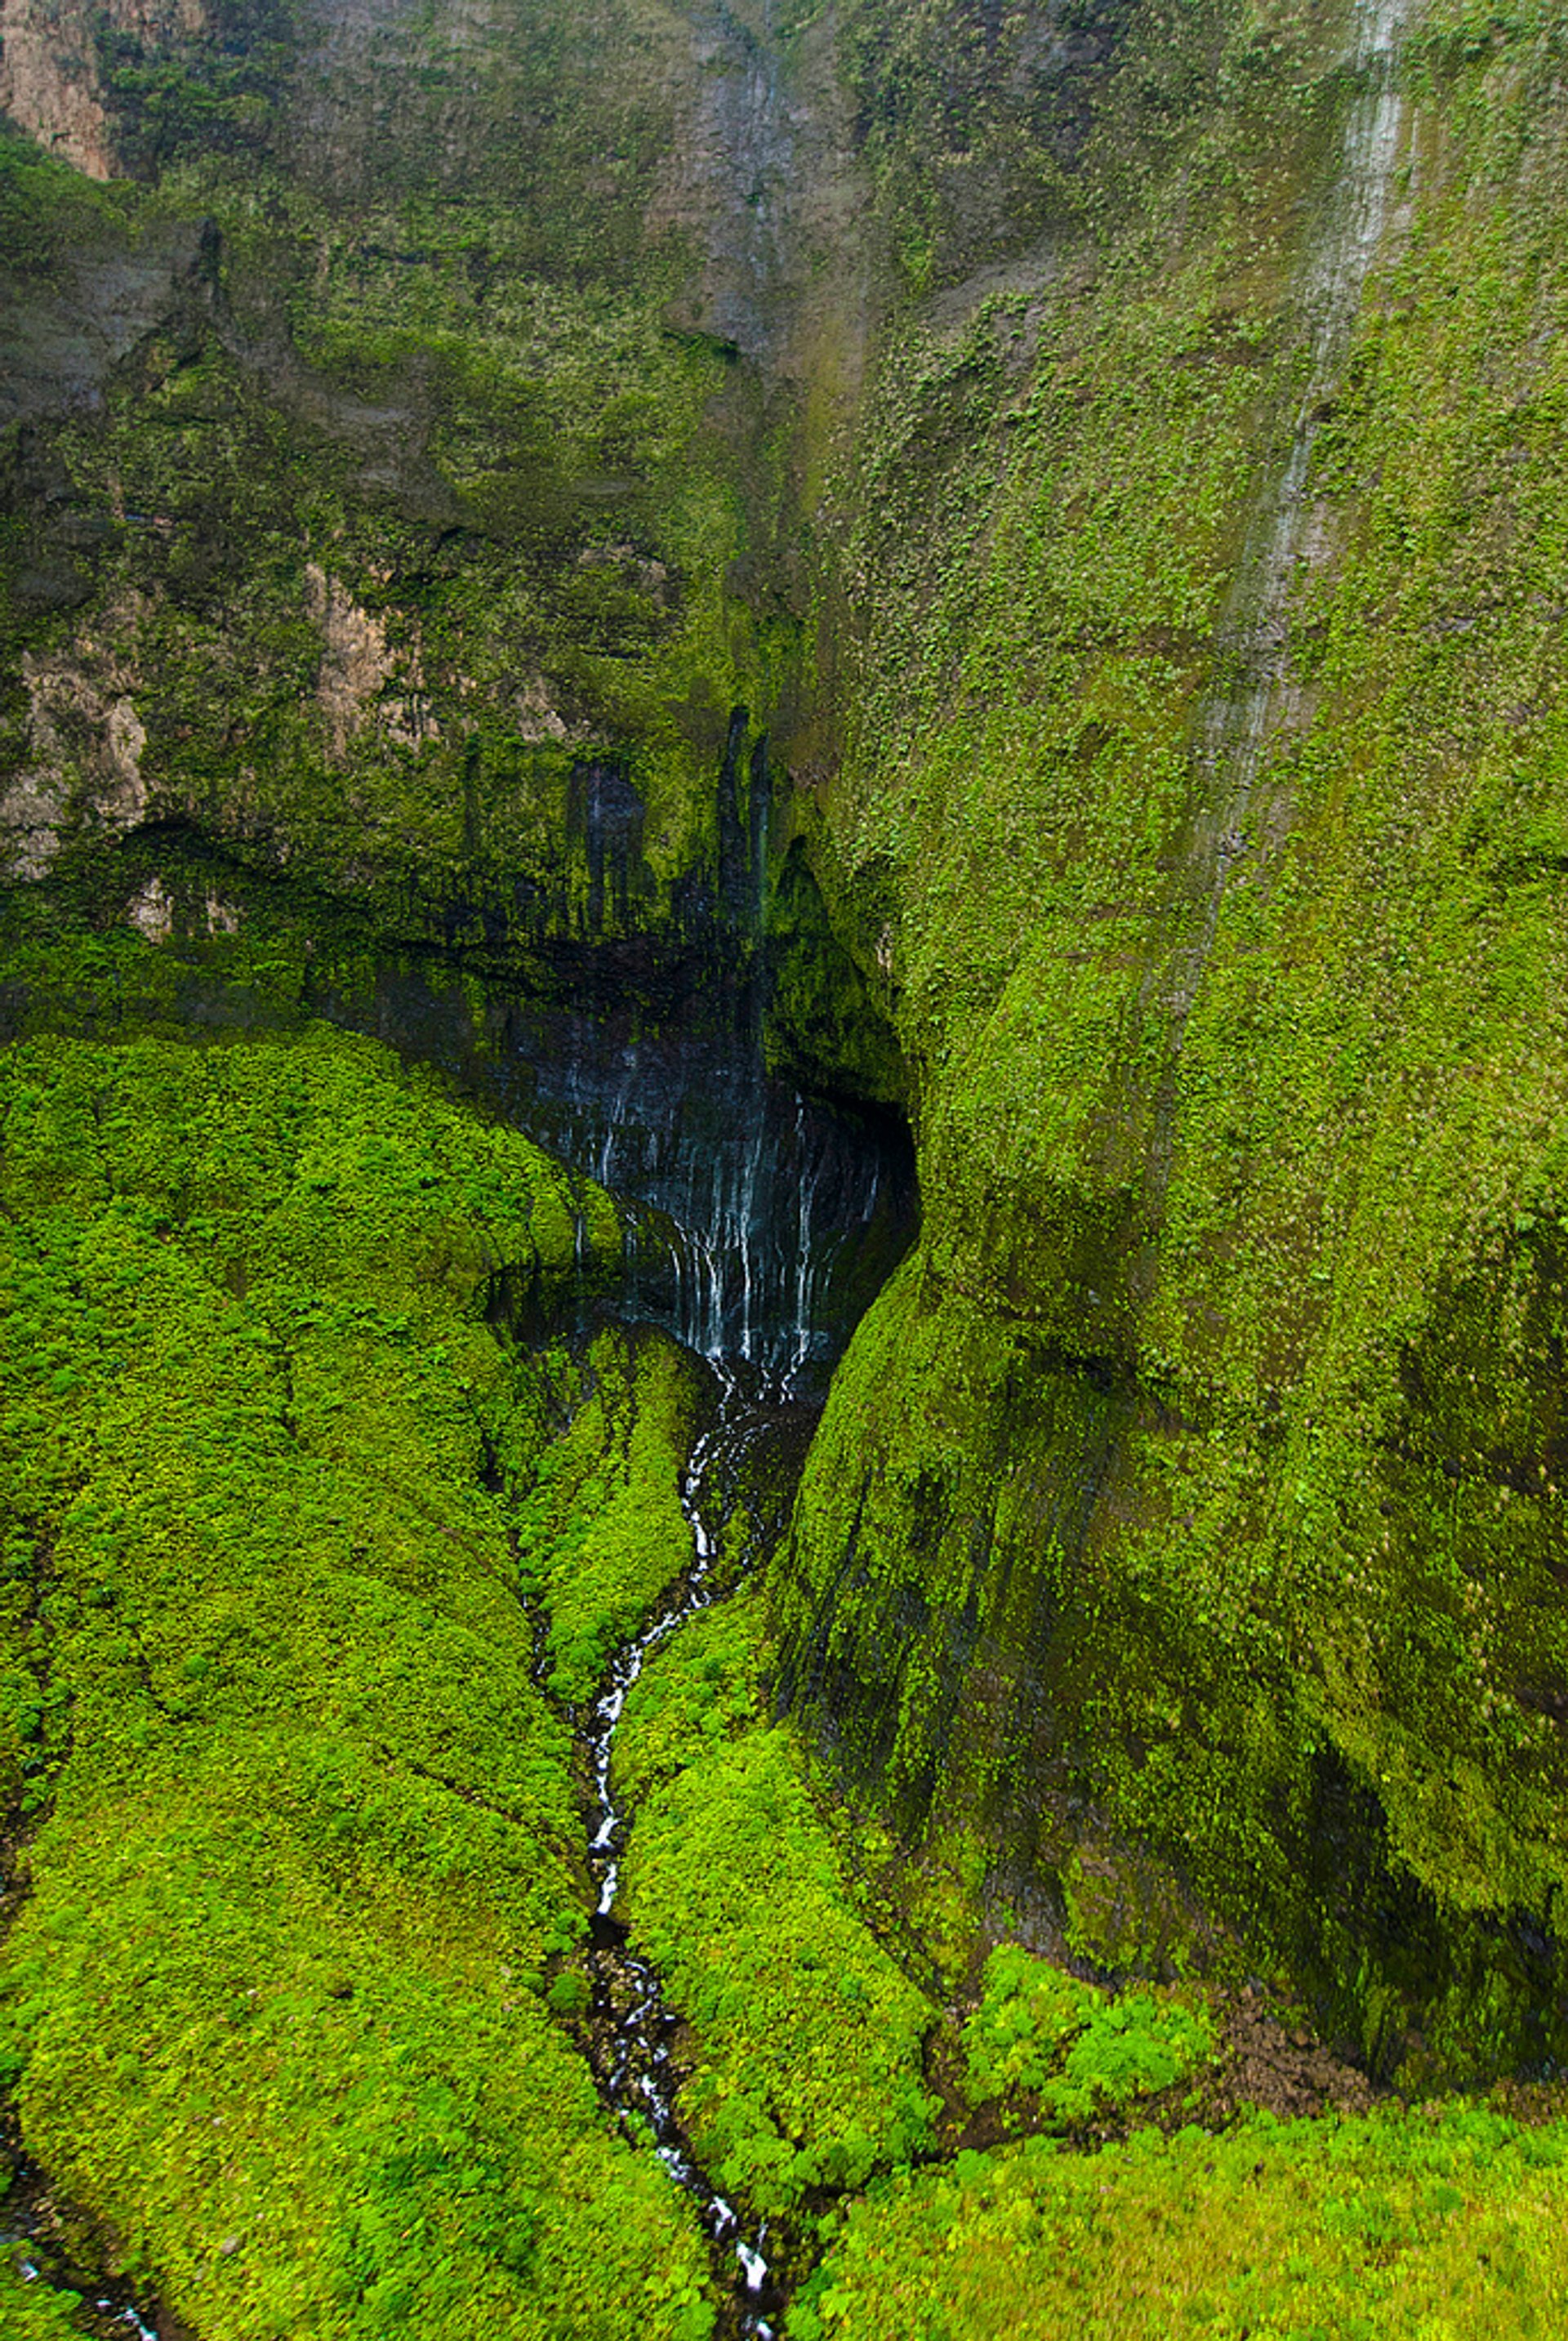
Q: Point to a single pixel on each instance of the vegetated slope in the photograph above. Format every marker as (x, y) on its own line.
(34, 2313)
(303, 1835)
(307, 1561)
(1187, 1517)
(1148, 560)
(806, 2072)
(1439, 2224)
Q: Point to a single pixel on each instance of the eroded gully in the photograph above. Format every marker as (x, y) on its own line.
(783, 1216)
(771, 1219)
(632, 2031)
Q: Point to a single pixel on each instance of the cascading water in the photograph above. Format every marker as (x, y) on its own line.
(775, 1215)
(769, 1219)
(1243, 716)
(773, 1218)
(632, 2030)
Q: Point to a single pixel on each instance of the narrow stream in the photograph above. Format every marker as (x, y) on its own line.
(781, 1216)
(27, 2227)
(633, 2031)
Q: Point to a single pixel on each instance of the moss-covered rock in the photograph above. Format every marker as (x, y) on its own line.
(362, 510)
(1186, 1516)
(1112, 454)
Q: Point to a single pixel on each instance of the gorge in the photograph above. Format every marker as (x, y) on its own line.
(783, 1167)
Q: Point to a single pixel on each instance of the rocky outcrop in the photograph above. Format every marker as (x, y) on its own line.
(51, 68)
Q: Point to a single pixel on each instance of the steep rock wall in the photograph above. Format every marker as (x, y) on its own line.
(399, 442)
(1188, 1513)
(1112, 452)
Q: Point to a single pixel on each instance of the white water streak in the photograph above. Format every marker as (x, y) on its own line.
(1241, 723)
(651, 2093)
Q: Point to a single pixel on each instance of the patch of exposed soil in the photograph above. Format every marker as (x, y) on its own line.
(1285, 2070)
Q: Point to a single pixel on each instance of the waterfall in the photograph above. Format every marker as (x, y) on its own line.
(1243, 715)
(769, 1217)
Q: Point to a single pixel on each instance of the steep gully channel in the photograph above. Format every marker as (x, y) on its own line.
(781, 1215)
(773, 1219)
(761, 1223)
(754, 1281)
(631, 2028)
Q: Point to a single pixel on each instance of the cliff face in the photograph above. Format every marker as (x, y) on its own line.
(1112, 453)
(397, 442)
(1190, 1509)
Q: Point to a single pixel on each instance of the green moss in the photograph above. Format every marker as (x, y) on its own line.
(1436, 2224)
(1181, 1520)
(46, 209)
(1180, 1549)
(805, 2038)
(1029, 2011)
(306, 1828)
(600, 1531)
(33, 2311)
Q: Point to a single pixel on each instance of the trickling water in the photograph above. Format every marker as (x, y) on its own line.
(780, 1214)
(634, 2030)
(1242, 719)
(773, 1218)
(770, 1219)
(28, 2228)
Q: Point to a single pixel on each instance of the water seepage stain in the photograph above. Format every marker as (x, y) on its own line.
(1254, 704)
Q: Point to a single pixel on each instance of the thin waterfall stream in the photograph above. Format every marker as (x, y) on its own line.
(780, 1214)
(1253, 698)
(1243, 714)
(633, 2031)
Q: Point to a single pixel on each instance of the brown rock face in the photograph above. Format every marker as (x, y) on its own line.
(49, 75)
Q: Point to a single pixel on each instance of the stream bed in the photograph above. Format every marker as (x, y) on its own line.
(631, 2032)
(29, 2227)
(775, 1218)
(760, 1223)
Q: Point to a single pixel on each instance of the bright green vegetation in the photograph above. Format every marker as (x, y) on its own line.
(1187, 1518)
(30, 2311)
(1178, 1568)
(600, 1532)
(807, 2038)
(306, 1834)
(47, 209)
(1028, 2012)
(1433, 2225)
(1084, 2053)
